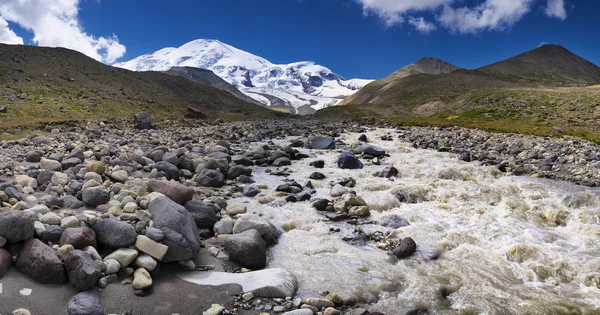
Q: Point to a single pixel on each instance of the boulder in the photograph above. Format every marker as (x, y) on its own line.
(210, 178)
(177, 192)
(181, 233)
(41, 263)
(5, 261)
(247, 249)
(250, 221)
(205, 214)
(405, 249)
(83, 271)
(16, 226)
(251, 191)
(268, 283)
(347, 160)
(370, 150)
(114, 234)
(86, 303)
(95, 196)
(237, 171)
(322, 143)
(171, 170)
(143, 121)
(78, 237)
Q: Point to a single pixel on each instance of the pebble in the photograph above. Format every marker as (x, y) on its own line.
(25, 291)
(141, 279)
(215, 309)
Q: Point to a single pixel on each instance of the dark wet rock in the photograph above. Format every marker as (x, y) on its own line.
(322, 143)
(242, 160)
(44, 177)
(210, 178)
(321, 204)
(405, 249)
(70, 162)
(251, 191)
(370, 150)
(393, 221)
(114, 234)
(465, 156)
(177, 192)
(33, 157)
(78, 237)
(171, 170)
(247, 249)
(363, 138)
(388, 172)
(237, 171)
(86, 303)
(41, 263)
(71, 202)
(95, 196)
(143, 120)
(181, 233)
(282, 161)
(82, 270)
(347, 160)
(16, 226)
(205, 214)
(317, 164)
(317, 176)
(336, 217)
(418, 311)
(272, 236)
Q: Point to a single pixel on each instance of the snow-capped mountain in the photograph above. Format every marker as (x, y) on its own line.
(301, 87)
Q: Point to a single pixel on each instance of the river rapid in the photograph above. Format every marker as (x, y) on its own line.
(488, 242)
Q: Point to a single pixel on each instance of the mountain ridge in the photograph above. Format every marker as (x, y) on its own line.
(299, 86)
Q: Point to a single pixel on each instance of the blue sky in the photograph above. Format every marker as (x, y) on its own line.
(354, 38)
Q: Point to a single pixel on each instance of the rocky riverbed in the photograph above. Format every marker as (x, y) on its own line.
(301, 217)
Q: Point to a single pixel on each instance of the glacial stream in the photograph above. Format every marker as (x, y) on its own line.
(506, 244)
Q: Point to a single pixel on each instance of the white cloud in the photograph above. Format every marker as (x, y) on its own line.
(392, 11)
(55, 23)
(490, 15)
(454, 15)
(556, 9)
(7, 36)
(421, 25)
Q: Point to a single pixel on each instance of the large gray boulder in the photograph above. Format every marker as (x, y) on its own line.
(347, 160)
(83, 271)
(16, 226)
(114, 234)
(41, 263)
(86, 303)
(205, 214)
(143, 121)
(181, 233)
(322, 143)
(247, 249)
(95, 196)
(5, 261)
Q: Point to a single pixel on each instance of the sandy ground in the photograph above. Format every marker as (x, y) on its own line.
(169, 294)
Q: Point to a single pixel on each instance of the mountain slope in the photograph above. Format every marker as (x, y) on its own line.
(42, 84)
(546, 65)
(209, 78)
(301, 87)
(422, 66)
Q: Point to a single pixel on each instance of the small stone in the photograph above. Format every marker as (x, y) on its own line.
(25, 291)
(141, 279)
(21, 311)
(125, 256)
(215, 309)
(59, 179)
(235, 209)
(96, 167)
(248, 296)
(145, 261)
(65, 250)
(50, 165)
(406, 248)
(112, 266)
(318, 303)
(335, 299)
(150, 247)
(120, 176)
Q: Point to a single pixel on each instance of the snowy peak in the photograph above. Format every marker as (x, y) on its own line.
(300, 87)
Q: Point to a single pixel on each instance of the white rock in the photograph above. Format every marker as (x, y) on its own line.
(338, 190)
(125, 256)
(39, 209)
(51, 218)
(25, 291)
(120, 176)
(22, 180)
(68, 222)
(33, 183)
(130, 207)
(215, 309)
(141, 279)
(235, 209)
(250, 221)
(60, 179)
(51, 165)
(224, 226)
(150, 247)
(145, 261)
(275, 283)
(112, 266)
(39, 228)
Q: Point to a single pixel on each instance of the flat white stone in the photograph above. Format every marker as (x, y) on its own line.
(25, 291)
(0, 288)
(268, 283)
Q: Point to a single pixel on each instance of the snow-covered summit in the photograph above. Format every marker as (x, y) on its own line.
(301, 87)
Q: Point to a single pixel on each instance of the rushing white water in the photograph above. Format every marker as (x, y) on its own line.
(509, 245)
